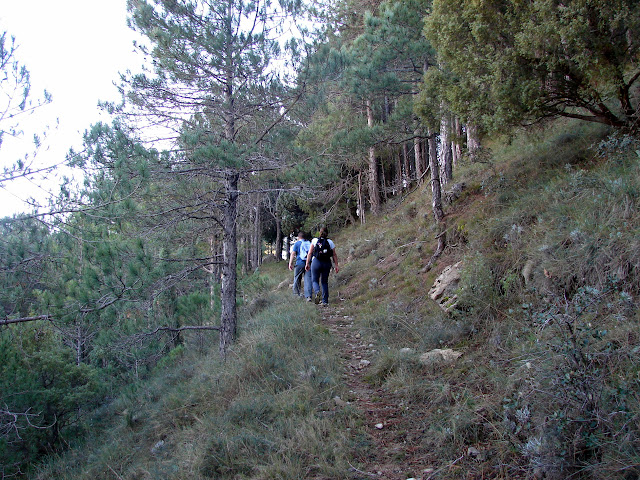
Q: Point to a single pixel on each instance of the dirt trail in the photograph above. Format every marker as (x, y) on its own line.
(393, 453)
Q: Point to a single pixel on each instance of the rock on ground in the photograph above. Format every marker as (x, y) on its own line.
(444, 288)
(439, 356)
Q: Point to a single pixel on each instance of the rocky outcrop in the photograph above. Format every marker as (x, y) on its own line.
(444, 288)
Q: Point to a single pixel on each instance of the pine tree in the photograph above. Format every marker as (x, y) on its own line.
(215, 84)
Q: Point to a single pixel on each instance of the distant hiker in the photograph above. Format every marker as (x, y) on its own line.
(319, 259)
(299, 252)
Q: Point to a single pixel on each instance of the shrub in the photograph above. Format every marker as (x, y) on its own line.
(576, 413)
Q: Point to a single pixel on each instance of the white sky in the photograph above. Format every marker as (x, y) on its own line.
(74, 49)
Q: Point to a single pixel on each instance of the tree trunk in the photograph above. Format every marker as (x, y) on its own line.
(214, 277)
(383, 183)
(257, 235)
(360, 200)
(406, 179)
(278, 247)
(287, 245)
(228, 312)
(228, 315)
(79, 342)
(176, 337)
(398, 181)
(374, 179)
(456, 146)
(446, 160)
(473, 141)
(387, 110)
(433, 148)
(436, 205)
(417, 155)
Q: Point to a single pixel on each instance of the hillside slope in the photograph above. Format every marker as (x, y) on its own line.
(546, 322)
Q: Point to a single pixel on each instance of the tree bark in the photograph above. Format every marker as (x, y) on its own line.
(446, 157)
(213, 277)
(456, 146)
(406, 179)
(436, 205)
(257, 235)
(228, 315)
(374, 179)
(361, 200)
(473, 141)
(417, 155)
(383, 183)
(433, 148)
(287, 245)
(228, 311)
(398, 181)
(278, 247)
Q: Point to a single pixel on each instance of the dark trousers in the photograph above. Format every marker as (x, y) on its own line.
(320, 276)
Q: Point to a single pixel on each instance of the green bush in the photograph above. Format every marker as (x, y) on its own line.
(47, 392)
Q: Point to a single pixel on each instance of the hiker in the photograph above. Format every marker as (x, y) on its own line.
(323, 250)
(299, 252)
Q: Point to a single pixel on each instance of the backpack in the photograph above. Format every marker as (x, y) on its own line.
(304, 249)
(323, 251)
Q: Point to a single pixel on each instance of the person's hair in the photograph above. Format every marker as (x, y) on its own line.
(324, 232)
(302, 235)
(307, 236)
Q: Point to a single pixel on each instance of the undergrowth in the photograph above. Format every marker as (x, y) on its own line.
(266, 413)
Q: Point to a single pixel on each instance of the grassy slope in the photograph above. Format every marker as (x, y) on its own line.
(547, 384)
(266, 413)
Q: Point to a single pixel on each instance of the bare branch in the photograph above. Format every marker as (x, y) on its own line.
(9, 321)
(179, 329)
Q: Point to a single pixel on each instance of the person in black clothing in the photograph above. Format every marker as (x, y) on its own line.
(319, 262)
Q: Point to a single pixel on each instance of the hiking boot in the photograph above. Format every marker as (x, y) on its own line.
(317, 298)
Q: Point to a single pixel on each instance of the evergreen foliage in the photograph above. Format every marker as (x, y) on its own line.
(240, 134)
(504, 63)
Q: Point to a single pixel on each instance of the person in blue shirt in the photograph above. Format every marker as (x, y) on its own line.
(299, 253)
(322, 252)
